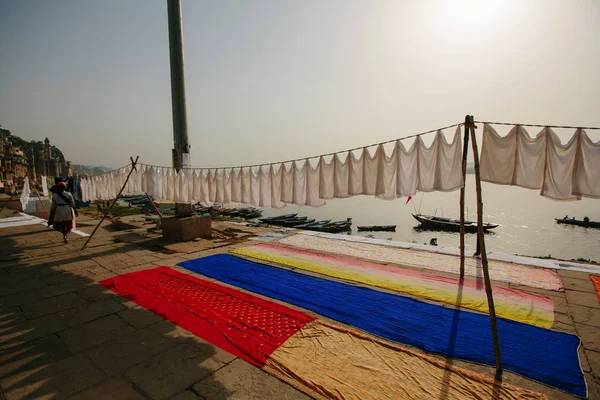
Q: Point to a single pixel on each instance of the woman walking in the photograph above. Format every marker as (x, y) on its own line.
(62, 213)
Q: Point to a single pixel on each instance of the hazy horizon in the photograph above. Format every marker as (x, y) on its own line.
(275, 80)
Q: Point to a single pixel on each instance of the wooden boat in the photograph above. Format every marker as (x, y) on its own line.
(448, 224)
(284, 222)
(279, 217)
(334, 227)
(252, 215)
(587, 224)
(313, 224)
(378, 228)
(294, 223)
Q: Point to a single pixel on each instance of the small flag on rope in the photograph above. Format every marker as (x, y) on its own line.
(409, 199)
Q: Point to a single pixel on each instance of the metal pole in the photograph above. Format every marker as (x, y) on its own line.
(468, 122)
(181, 148)
(484, 260)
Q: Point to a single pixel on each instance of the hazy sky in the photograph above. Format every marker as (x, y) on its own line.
(273, 80)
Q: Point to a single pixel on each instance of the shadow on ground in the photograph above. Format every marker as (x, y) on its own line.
(63, 335)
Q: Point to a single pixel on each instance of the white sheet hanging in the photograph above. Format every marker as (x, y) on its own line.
(326, 180)
(341, 176)
(287, 183)
(449, 160)
(254, 188)
(355, 173)
(246, 188)
(226, 186)
(560, 162)
(276, 198)
(264, 187)
(313, 180)
(386, 176)
(586, 177)
(45, 186)
(25, 194)
(236, 185)
(560, 172)
(299, 178)
(371, 166)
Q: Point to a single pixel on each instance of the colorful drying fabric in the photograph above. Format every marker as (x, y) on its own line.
(499, 271)
(510, 303)
(312, 356)
(596, 281)
(546, 356)
(346, 364)
(244, 325)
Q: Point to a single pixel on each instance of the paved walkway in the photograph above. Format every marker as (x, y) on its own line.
(64, 336)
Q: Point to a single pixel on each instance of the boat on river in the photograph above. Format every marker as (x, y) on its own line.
(449, 224)
(377, 228)
(584, 223)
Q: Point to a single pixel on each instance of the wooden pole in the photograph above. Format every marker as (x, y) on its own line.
(484, 260)
(133, 167)
(468, 122)
(153, 205)
(39, 197)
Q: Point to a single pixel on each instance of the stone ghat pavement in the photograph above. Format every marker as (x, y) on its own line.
(64, 336)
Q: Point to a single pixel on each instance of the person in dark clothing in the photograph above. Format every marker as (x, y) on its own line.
(62, 212)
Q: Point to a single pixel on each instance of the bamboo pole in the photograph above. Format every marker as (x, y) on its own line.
(39, 197)
(133, 167)
(153, 205)
(484, 260)
(468, 122)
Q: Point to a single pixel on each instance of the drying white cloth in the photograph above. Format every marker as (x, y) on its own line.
(560, 172)
(44, 186)
(25, 194)
(369, 172)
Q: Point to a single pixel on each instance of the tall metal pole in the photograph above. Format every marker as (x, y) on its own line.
(181, 149)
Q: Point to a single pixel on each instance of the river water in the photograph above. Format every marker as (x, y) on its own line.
(526, 219)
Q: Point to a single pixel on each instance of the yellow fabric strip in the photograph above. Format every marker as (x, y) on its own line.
(329, 361)
(510, 303)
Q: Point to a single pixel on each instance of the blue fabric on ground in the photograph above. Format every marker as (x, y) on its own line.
(547, 356)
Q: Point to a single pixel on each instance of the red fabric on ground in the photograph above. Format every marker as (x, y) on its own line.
(245, 325)
(596, 281)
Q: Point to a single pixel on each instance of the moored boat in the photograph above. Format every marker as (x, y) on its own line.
(277, 218)
(313, 224)
(448, 224)
(285, 221)
(293, 223)
(377, 228)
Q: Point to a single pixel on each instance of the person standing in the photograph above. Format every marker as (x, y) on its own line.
(62, 213)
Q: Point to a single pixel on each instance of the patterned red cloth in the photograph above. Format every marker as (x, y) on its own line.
(596, 281)
(244, 325)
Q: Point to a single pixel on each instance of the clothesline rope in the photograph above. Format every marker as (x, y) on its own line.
(326, 154)
(538, 125)
(368, 146)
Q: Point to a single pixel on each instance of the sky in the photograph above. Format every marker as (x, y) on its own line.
(276, 80)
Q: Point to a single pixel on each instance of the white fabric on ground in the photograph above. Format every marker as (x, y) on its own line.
(560, 172)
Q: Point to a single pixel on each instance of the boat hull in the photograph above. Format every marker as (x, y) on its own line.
(590, 224)
(427, 222)
(377, 228)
